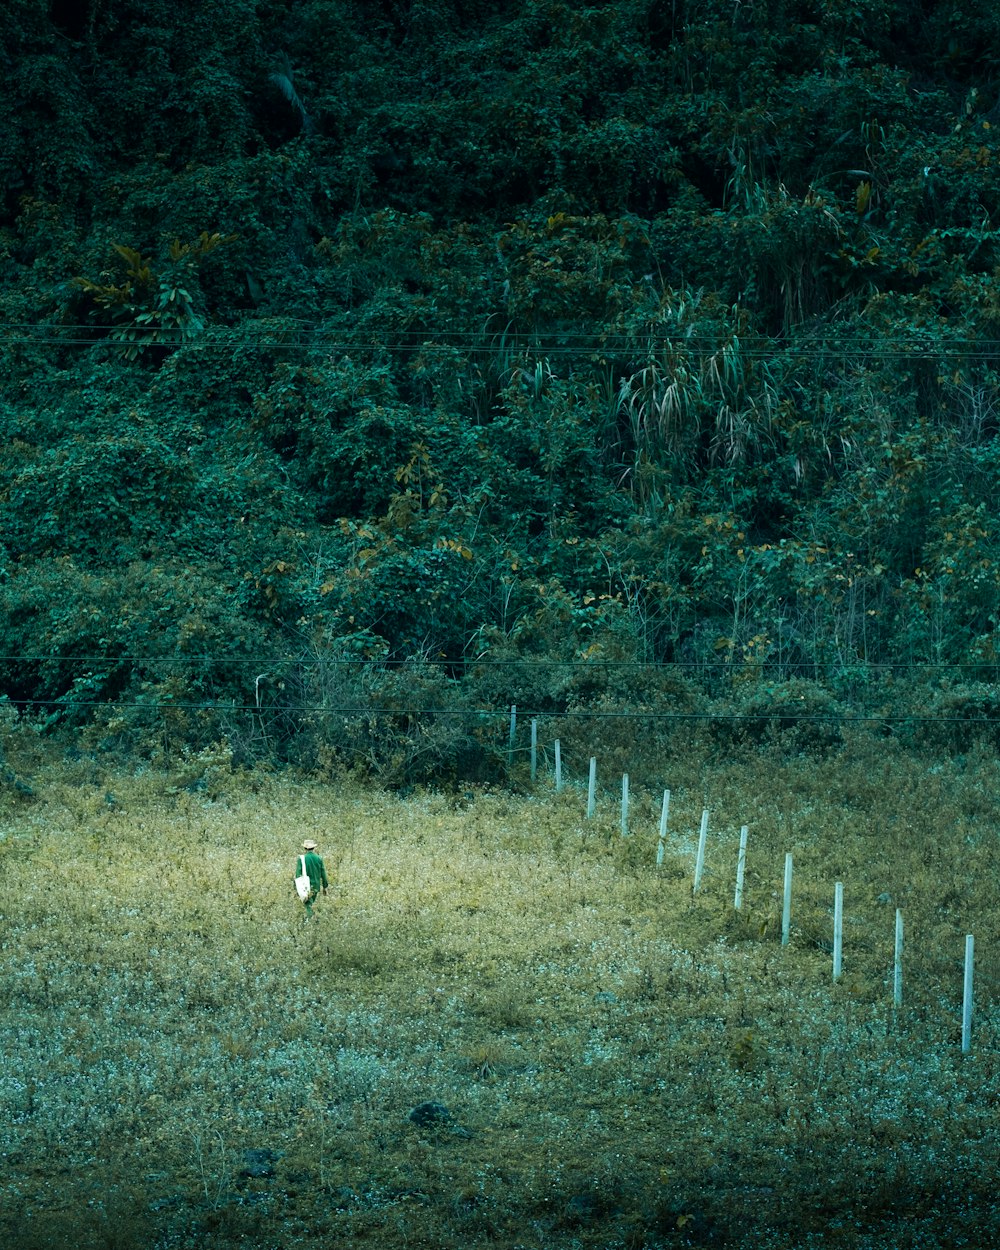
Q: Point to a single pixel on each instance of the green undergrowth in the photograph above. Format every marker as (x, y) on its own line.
(617, 1061)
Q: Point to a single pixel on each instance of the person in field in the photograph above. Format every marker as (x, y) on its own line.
(315, 870)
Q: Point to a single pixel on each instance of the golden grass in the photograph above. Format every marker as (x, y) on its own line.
(623, 1064)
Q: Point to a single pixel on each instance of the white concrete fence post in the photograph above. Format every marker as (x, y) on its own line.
(786, 902)
(741, 867)
(967, 996)
(838, 929)
(699, 864)
(592, 788)
(664, 813)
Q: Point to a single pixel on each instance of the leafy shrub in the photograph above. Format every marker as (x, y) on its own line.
(955, 718)
(797, 715)
(169, 644)
(91, 498)
(401, 724)
(153, 306)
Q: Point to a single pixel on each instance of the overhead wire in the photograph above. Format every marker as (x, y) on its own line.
(410, 713)
(456, 662)
(505, 335)
(568, 343)
(548, 353)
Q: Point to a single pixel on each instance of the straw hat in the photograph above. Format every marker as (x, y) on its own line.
(309, 845)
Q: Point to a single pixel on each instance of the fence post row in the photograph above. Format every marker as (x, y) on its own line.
(786, 902)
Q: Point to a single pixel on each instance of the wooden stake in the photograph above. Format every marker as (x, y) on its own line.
(513, 731)
(558, 767)
(534, 750)
(897, 963)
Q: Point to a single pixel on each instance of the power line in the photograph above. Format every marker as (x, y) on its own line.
(593, 663)
(848, 350)
(354, 350)
(411, 714)
(448, 337)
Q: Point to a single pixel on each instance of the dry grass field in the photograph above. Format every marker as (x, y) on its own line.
(504, 1026)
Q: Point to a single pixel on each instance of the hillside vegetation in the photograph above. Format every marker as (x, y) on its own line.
(423, 333)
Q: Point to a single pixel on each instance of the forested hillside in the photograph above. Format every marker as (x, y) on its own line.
(355, 355)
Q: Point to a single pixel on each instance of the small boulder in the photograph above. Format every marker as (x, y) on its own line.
(258, 1163)
(431, 1113)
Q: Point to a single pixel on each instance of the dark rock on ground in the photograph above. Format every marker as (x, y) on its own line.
(426, 1113)
(258, 1163)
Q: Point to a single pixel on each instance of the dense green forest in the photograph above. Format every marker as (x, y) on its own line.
(374, 366)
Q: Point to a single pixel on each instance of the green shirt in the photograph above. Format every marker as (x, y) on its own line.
(316, 870)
